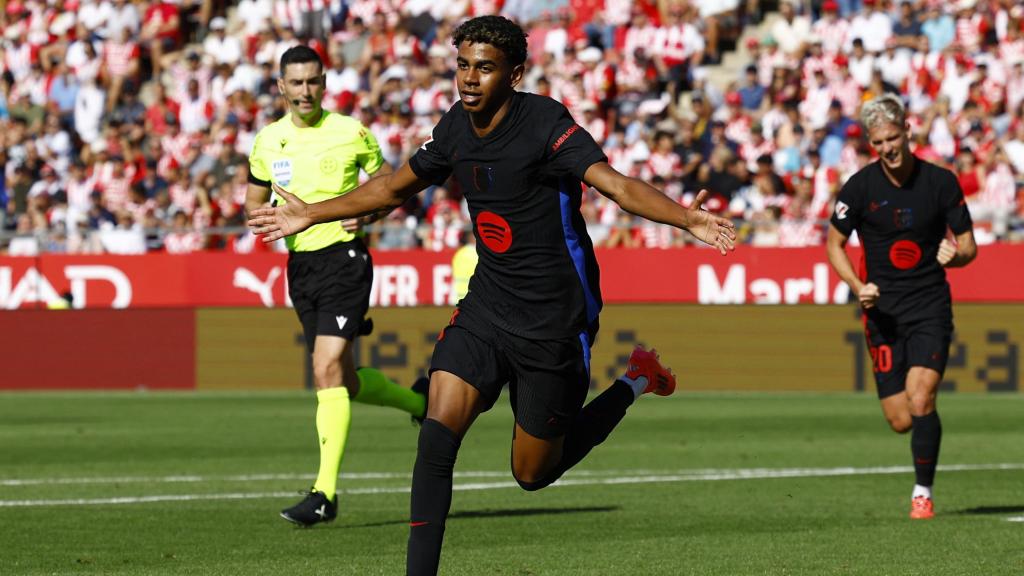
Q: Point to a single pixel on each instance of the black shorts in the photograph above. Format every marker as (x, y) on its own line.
(896, 347)
(548, 379)
(330, 289)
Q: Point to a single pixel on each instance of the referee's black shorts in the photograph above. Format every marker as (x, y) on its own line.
(548, 379)
(330, 289)
(896, 347)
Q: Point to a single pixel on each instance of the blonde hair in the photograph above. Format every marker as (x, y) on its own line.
(885, 109)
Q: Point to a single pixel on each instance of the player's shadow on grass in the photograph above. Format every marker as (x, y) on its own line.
(982, 510)
(503, 513)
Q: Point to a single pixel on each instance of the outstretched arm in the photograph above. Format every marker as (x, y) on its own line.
(385, 192)
(640, 198)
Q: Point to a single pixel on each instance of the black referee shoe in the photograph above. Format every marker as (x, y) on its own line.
(314, 509)
(422, 386)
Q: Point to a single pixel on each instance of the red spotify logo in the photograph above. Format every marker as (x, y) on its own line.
(494, 231)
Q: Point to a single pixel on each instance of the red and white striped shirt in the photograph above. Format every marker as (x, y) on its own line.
(668, 165)
(833, 33)
(365, 9)
(970, 31)
(116, 191)
(183, 242)
(118, 57)
(1000, 190)
(182, 196)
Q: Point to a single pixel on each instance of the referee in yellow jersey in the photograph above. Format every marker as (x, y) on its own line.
(317, 154)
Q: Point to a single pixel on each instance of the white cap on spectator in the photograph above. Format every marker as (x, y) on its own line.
(218, 23)
(394, 72)
(438, 51)
(591, 54)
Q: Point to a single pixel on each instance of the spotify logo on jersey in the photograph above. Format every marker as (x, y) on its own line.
(494, 231)
(905, 254)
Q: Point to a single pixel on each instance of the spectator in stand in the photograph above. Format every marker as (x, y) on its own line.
(939, 27)
(161, 33)
(831, 29)
(906, 28)
(792, 31)
(123, 20)
(752, 93)
(89, 103)
(872, 26)
(219, 46)
(182, 238)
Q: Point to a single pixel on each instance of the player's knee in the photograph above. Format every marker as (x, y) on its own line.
(531, 483)
(327, 374)
(900, 424)
(921, 406)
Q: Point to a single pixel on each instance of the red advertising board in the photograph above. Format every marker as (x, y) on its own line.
(108, 349)
(417, 278)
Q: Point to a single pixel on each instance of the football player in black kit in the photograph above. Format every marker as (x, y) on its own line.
(531, 312)
(901, 208)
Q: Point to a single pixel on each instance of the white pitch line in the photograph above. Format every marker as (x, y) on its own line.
(589, 478)
(1015, 519)
(704, 473)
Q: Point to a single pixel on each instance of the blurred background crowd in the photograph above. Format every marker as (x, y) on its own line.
(127, 123)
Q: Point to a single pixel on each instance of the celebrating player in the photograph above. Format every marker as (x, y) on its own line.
(318, 155)
(531, 312)
(901, 207)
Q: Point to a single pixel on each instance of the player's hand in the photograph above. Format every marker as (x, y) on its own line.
(352, 225)
(868, 295)
(274, 223)
(947, 250)
(710, 229)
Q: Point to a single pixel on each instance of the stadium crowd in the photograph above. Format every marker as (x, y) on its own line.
(127, 123)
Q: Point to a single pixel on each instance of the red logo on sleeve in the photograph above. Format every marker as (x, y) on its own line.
(561, 139)
(494, 231)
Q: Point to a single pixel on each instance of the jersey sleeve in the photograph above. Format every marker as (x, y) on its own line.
(259, 174)
(431, 162)
(570, 148)
(953, 205)
(368, 154)
(847, 212)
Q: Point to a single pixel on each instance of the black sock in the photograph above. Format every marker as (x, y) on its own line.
(591, 427)
(924, 445)
(431, 496)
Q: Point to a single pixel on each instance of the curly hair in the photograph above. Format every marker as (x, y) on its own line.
(498, 31)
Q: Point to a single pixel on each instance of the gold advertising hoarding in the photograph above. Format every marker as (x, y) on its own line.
(769, 348)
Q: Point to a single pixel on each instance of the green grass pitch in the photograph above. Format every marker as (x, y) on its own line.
(731, 484)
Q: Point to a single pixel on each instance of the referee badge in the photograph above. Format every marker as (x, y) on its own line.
(281, 171)
(328, 165)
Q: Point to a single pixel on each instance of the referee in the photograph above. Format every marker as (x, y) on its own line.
(318, 155)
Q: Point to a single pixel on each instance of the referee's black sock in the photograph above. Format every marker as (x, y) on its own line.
(431, 496)
(591, 427)
(924, 445)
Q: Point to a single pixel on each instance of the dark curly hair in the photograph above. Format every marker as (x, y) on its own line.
(497, 31)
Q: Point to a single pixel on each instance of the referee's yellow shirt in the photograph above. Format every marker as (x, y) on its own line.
(315, 163)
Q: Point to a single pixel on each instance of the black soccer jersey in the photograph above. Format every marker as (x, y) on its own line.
(900, 228)
(537, 276)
